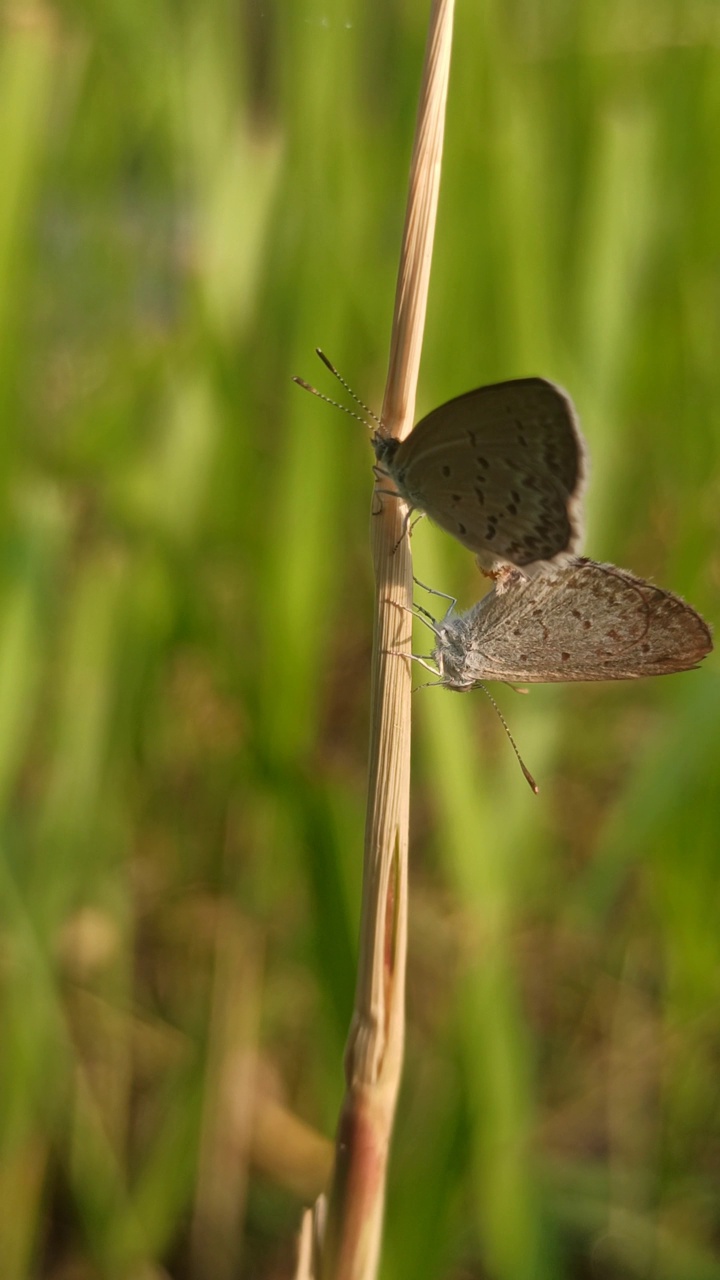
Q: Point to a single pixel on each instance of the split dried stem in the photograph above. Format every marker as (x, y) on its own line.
(349, 1243)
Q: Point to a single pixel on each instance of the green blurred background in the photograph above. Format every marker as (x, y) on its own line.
(193, 196)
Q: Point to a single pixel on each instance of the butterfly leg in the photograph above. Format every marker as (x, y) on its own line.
(418, 612)
(431, 591)
(423, 662)
(407, 527)
(381, 474)
(415, 657)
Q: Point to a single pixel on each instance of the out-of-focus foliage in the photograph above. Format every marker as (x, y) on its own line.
(193, 196)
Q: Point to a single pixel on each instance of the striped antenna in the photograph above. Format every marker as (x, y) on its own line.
(329, 365)
(335, 403)
(526, 772)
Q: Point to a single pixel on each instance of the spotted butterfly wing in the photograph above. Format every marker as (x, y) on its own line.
(582, 621)
(501, 468)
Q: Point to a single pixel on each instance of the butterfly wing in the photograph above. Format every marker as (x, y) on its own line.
(584, 621)
(502, 469)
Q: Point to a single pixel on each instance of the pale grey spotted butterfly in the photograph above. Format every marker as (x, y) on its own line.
(580, 621)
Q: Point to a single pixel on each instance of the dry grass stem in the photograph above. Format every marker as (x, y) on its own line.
(351, 1243)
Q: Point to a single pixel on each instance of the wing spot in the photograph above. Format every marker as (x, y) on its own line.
(480, 496)
(565, 657)
(446, 470)
(511, 509)
(462, 530)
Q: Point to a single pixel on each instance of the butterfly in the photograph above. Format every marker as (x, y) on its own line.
(501, 468)
(580, 621)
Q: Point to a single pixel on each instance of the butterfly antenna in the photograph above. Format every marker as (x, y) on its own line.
(335, 403)
(329, 365)
(526, 772)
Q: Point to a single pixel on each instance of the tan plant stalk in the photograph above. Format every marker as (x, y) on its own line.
(348, 1231)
